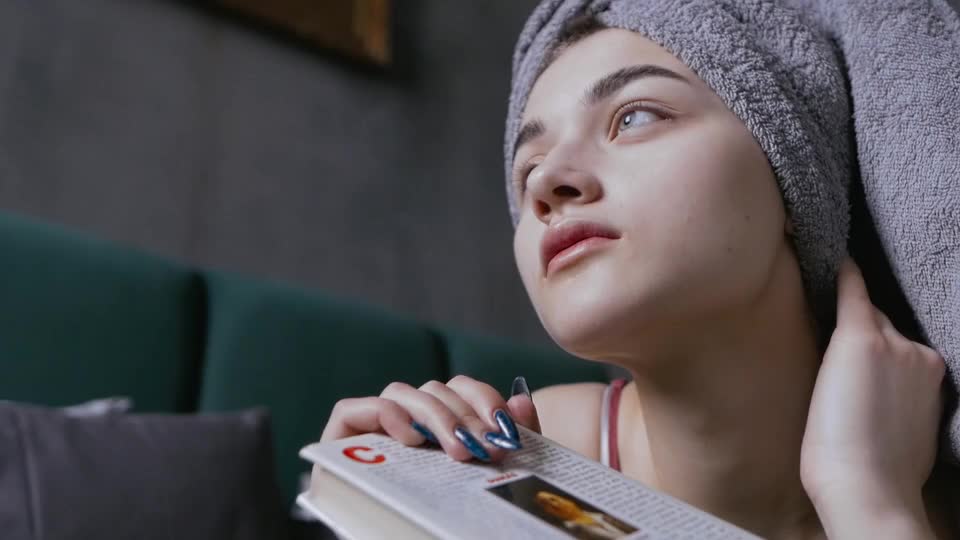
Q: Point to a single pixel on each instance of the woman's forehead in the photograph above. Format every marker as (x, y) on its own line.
(568, 77)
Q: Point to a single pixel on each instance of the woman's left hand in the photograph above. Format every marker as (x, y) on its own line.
(871, 435)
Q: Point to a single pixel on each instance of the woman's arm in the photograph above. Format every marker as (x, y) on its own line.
(869, 512)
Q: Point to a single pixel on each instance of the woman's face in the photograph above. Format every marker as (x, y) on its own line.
(664, 163)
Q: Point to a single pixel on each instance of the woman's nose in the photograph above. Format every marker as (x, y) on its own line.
(555, 185)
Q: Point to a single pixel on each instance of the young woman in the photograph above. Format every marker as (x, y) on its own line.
(687, 277)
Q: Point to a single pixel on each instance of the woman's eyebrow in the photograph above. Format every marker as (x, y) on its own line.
(609, 84)
(600, 90)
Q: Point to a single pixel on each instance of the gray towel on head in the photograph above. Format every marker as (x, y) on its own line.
(835, 91)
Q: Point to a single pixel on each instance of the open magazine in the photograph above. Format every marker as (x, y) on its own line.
(371, 486)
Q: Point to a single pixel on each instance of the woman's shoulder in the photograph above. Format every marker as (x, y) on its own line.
(570, 415)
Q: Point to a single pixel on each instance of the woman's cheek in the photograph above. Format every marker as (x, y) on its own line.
(526, 255)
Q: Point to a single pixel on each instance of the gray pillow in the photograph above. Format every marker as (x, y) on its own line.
(147, 476)
(100, 407)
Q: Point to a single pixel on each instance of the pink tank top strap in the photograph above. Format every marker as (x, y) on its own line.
(609, 454)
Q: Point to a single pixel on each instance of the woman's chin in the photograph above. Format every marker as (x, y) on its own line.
(595, 334)
(597, 313)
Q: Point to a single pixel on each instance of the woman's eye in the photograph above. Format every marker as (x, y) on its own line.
(521, 178)
(634, 118)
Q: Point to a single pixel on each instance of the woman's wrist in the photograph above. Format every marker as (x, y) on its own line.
(871, 512)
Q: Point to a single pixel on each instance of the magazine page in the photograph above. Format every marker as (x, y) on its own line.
(541, 491)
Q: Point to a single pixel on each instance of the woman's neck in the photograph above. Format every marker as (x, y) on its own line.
(718, 422)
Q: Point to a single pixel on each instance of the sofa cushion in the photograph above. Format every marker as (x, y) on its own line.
(83, 319)
(298, 353)
(136, 476)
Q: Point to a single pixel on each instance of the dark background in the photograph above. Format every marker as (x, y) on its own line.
(203, 138)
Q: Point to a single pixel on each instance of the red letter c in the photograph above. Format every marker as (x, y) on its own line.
(351, 452)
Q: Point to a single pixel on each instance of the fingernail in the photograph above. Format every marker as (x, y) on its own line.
(519, 386)
(507, 427)
(500, 441)
(427, 434)
(471, 443)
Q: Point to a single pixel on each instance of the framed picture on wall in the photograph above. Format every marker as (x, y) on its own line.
(357, 28)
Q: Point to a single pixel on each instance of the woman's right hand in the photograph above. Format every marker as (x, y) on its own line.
(468, 418)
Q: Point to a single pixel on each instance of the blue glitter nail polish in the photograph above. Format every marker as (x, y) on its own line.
(471, 443)
(507, 427)
(500, 441)
(427, 434)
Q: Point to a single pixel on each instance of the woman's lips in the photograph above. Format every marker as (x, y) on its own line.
(575, 252)
(569, 240)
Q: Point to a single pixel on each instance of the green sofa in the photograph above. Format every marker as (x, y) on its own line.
(84, 319)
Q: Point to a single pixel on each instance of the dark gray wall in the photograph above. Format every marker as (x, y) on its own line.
(162, 126)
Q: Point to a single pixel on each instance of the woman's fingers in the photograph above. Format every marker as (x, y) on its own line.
(429, 412)
(854, 308)
(467, 418)
(455, 425)
(489, 405)
(522, 409)
(353, 416)
(472, 404)
(856, 314)
(521, 406)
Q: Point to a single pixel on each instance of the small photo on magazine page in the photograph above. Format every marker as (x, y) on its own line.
(559, 508)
